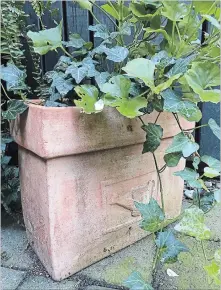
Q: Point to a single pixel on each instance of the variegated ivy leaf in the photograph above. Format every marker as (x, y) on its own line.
(169, 247)
(47, 39)
(201, 77)
(180, 66)
(78, 73)
(141, 68)
(153, 137)
(14, 77)
(172, 159)
(101, 78)
(152, 215)
(136, 282)
(214, 127)
(100, 30)
(117, 53)
(89, 96)
(182, 143)
(175, 10)
(173, 103)
(75, 41)
(61, 84)
(125, 29)
(15, 107)
(193, 224)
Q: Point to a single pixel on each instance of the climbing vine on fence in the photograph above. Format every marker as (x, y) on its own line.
(165, 67)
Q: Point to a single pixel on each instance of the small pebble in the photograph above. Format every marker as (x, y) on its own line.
(189, 193)
(208, 184)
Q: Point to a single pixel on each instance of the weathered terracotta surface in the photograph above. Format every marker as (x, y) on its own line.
(80, 175)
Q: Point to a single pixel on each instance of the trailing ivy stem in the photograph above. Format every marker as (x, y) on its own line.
(198, 127)
(101, 9)
(160, 181)
(66, 52)
(92, 13)
(141, 120)
(5, 92)
(204, 252)
(157, 117)
(178, 31)
(155, 258)
(178, 122)
(173, 30)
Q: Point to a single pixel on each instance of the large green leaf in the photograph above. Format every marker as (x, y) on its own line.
(136, 282)
(180, 66)
(175, 10)
(114, 9)
(163, 86)
(152, 215)
(89, 96)
(214, 127)
(193, 224)
(117, 86)
(205, 7)
(14, 77)
(75, 41)
(202, 76)
(130, 107)
(153, 137)
(85, 4)
(181, 143)
(46, 40)
(139, 10)
(169, 246)
(15, 107)
(117, 53)
(213, 271)
(172, 159)
(187, 174)
(149, 30)
(141, 68)
(173, 103)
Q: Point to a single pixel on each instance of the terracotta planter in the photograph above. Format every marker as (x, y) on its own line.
(80, 175)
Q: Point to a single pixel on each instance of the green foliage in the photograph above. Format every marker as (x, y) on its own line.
(213, 269)
(193, 224)
(153, 137)
(15, 107)
(169, 247)
(214, 127)
(136, 282)
(89, 96)
(152, 215)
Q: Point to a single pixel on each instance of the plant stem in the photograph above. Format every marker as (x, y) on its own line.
(198, 127)
(94, 17)
(5, 92)
(160, 181)
(178, 122)
(178, 31)
(141, 120)
(101, 9)
(173, 30)
(157, 117)
(204, 252)
(155, 259)
(66, 52)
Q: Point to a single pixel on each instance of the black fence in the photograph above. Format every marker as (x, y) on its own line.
(77, 20)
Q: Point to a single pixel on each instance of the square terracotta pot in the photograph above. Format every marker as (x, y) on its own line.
(80, 175)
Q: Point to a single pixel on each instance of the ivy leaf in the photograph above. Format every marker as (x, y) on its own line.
(212, 162)
(193, 224)
(125, 29)
(100, 30)
(180, 66)
(75, 41)
(181, 143)
(139, 10)
(15, 107)
(202, 76)
(14, 77)
(170, 247)
(211, 172)
(61, 84)
(136, 282)
(162, 31)
(152, 215)
(174, 10)
(54, 104)
(78, 73)
(153, 137)
(172, 159)
(141, 68)
(213, 271)
(187, 174)
(89, 96)
(214, 127)
(196, 162)
(118, 86)
(166, 84)
(101, 78)
(173, 103)
(85, 4)
(111, 10)
(47, 39)
(204, 7)
(117, 53)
